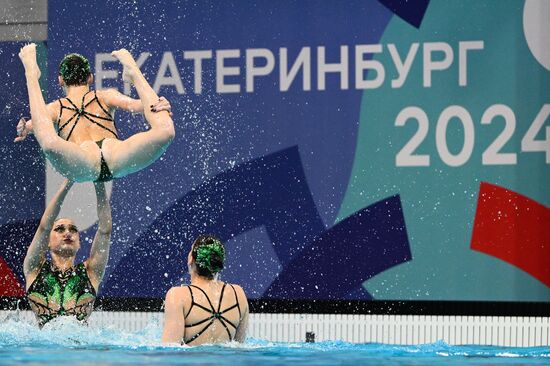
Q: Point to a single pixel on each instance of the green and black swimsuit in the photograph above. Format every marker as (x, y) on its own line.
(54, 293)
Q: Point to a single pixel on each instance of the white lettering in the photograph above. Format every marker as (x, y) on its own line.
(463, 48)
(168, 64)
(303, 61)
(222, 71)
(252, 70)
(340, 67)
(102, 74)
(402, 68)
(361, 65)
(197, 57)
(430, 65)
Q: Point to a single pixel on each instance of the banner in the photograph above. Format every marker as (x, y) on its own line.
(363, 150)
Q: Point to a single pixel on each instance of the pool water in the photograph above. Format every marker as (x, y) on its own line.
(66, 342)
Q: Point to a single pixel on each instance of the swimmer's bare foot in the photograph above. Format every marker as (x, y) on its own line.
(131, 69)
(27, 54)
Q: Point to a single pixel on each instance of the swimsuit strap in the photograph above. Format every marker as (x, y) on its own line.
(77, 114)
(72, 129)
(220, 317)
(66, 123)
(72, 104)
(236, 300)
(221, 297)
(81, 112)
(101, 106)
(82, 102)
(96, 99)
(85, 115)
(212, 319)
(61, 106)
(199, 333)
(192, 301)
(214, 314)
(207, 298)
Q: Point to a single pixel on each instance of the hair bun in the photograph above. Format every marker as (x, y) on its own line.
(210, 256)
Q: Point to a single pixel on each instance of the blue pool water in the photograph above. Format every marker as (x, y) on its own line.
(66, 342)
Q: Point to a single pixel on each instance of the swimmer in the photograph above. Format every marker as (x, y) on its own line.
(207, 310)
(77, 133)
(59, 287)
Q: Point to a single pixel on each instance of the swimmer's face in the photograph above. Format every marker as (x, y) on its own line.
(64, 238)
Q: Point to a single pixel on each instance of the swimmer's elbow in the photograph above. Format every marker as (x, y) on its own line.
(105, 220)
(105, 229)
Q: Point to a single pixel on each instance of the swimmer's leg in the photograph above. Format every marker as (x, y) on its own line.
(71, 160)
(141, 149)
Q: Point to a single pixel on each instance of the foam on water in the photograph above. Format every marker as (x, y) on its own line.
(66, 333)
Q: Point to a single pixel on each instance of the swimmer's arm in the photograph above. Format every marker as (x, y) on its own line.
(99, 253)
(39, 245)
(174, 321)
(240, 334)
(114, 99)
(24, 127)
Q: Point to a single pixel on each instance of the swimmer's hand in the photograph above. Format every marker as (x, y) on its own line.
(162, 105)
(24, 127)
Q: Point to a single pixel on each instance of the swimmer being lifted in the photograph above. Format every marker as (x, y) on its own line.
(85, 146)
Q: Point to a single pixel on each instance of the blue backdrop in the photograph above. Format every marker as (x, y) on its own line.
(291, 146)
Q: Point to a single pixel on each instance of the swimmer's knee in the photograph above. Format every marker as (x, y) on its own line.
(171, 134)
(170, 130)
(166, 133)
(49, 146)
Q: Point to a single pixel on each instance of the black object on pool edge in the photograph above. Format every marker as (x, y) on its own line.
(310, 337)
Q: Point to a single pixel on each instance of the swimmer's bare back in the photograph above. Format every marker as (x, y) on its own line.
(91, 154)
(212, 313)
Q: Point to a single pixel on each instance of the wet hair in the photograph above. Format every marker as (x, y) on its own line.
(208, 253)
(74, 69)
(62, 218)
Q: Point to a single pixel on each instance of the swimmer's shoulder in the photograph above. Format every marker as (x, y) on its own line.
(177, 290)
(105, 92)
(241, 295)
(177, 294)
(105, 96)
(53, 110)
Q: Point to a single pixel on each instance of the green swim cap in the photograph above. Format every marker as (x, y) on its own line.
(210, 255)
(75, 69)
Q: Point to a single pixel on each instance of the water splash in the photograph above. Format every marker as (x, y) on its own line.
(66, 332)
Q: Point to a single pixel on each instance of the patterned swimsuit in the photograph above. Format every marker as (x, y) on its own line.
(77, 113)
(55, 293)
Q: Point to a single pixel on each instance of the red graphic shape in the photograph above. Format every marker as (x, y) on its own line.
(9, 284)
(513, 228)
